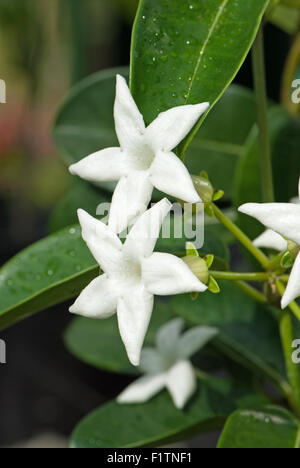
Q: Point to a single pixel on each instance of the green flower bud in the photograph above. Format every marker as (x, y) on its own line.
(293, 249)
(203, 188)
(198, 266)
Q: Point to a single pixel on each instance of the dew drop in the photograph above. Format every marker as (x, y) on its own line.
(72, 231)
(50, 272)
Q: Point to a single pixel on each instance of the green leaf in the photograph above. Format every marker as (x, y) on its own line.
(51, 271)
(81, 195)
(266, 427)
(248, 332)
(285, 142)
(158, 421)
(285, 17)
(186, 52)
(98, 342)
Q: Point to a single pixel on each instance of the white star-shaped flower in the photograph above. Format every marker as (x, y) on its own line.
(271, 239)
(284, 219)
(133, 274)
(168, 365)
(144, 159)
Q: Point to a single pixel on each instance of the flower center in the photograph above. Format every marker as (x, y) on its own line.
(129, 272)
(142, 157)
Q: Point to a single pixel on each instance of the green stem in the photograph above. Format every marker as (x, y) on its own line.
(245, 241)
(287, 338)
(252, 292)
(293, 306)
(261, 97)
(230, 276)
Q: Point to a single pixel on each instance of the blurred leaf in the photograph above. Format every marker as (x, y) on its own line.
(81, 195)
(158, 421)
(98, 342)
(85, 125)
(248, 332)
(286, 18)
(285, 142)
(265, 427)
(221, 139)
(186, 52)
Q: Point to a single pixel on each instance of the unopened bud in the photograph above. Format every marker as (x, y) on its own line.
(198, 266)
(293, 249)
(203, 188)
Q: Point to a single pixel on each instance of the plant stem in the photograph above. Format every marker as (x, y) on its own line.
(261, 98)
(287, 338)
(245, 241)
(293, 306)
(252, 292)
(230, 276)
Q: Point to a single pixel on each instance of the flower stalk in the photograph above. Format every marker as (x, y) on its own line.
(261, 98)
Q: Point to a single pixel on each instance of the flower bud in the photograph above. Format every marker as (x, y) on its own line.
(204, 188)
(293, 249)
(198, 266)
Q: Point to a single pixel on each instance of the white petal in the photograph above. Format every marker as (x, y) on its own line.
(134, 314)
(97, 300)
(169, 175)
(284, 218)
(293, 287)
(181, 383)
(105, 246)
(129, 122)
(143, 389)
(195, 339)
(168, 335)
(271, 240)
(143, 236)
(172, 126)
(153, 362)
(165, 274)
(107, 165)
(130, 199)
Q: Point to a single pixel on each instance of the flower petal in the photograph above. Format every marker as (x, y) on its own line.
(195, 339)
(105, 246)
(271, 240)
(168, 335)
(143, 236)
(152, 362)
(130, 199)
(97, 300)
(134, 314)
(181, 383)
(284, 218)
(107, 165)
(129, 122)
(143, 389)
(165, 274)
(169, 175)
(293, 287)
(172, 126)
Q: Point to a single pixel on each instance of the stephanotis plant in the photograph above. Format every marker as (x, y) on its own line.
(243, 303)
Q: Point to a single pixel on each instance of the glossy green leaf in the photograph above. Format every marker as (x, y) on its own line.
(85, 124)
(98, 342)
(49, 272)
(265, 427)
(248, 332)
(285, 142)
(186, 52)
(158, 421)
